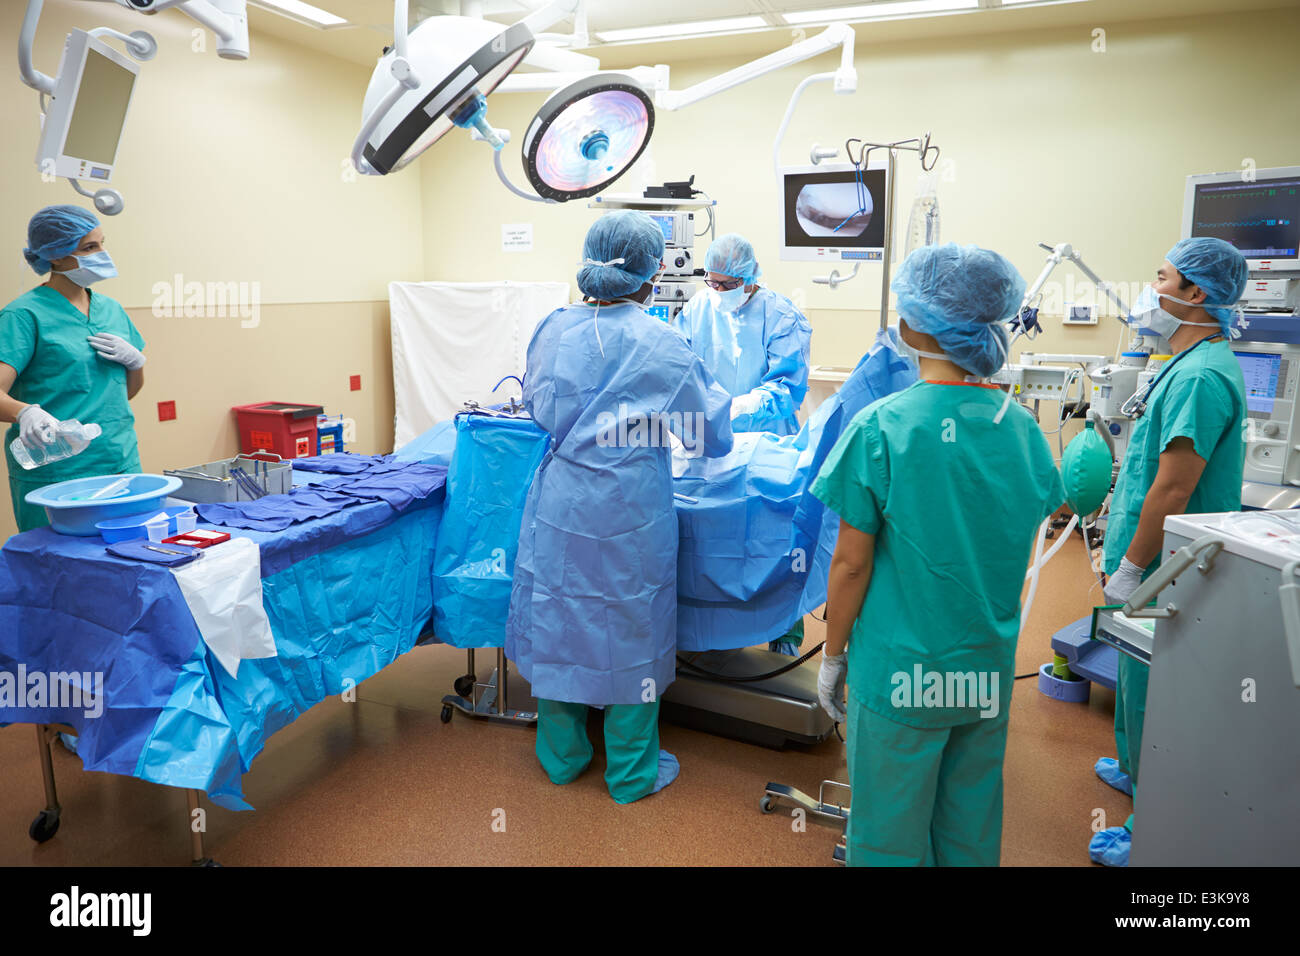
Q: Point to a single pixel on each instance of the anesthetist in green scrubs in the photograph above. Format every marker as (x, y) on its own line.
(67, 353)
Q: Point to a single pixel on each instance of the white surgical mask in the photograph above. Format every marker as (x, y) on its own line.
(729, 301)
(1148, 314)
(90, 269)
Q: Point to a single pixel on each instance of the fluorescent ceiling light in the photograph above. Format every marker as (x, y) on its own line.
(682, 29)
(880, 11)
(301, 11)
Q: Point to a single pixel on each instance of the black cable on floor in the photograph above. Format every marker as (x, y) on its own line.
(683, 662)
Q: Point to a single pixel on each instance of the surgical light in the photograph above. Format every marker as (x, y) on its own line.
(586, 136)
(435, 79)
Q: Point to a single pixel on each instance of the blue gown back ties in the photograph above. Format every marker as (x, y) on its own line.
(593, 610)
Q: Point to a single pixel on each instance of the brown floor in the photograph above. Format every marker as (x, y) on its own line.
(383, 781)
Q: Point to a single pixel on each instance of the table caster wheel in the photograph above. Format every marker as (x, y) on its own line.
(44, 826)
(445, 716)
(464, 685)
(767, 804)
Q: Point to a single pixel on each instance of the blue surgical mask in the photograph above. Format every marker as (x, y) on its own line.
(1148, 314)
(90, 269)
(729, 301)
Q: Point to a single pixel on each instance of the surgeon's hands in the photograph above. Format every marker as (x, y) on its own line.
(37, 427)
(746, 404)
(117, 349)
(1121, 585)
(830, 684)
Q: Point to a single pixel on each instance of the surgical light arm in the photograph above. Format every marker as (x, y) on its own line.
(837, 35)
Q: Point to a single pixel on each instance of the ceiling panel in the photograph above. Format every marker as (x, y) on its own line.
(370, 23)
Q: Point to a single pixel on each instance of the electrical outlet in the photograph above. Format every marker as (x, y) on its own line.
(355, 383)
(166, 411)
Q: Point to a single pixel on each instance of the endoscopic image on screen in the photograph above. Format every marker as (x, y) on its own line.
(835, 208)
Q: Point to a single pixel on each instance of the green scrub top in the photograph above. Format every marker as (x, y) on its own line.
(954, 502)
(43, 337)
(1201, 397)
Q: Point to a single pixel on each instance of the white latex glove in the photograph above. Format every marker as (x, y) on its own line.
(117, 349)
(680, 457)
(830, 685)
(746, 404)
(37, 427)
(1121, 585)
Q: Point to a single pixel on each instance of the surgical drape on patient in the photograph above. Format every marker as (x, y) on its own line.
(754, 545)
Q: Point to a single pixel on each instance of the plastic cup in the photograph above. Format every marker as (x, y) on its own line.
(157, 530)
(186, 521)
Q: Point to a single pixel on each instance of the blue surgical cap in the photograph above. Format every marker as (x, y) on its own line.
(55, 232)
(960, 295)
(1218, 268)
(732, 255)
(627, 235)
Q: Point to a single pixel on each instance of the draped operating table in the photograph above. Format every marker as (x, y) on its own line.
(345, 595)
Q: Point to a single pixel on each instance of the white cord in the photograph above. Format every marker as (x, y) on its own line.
(501, 172)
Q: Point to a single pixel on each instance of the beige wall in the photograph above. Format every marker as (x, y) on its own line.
(232, 173)
(1042, 139)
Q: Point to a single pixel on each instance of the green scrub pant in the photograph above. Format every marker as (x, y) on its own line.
(631, 745)
(27, 516)
(1130, 716)
(924, 796)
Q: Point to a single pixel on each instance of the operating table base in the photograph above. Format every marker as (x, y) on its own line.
(773, 712)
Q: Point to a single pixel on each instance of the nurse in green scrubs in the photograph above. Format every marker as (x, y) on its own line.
(1187, 456)
(65, 353)
(939, 493)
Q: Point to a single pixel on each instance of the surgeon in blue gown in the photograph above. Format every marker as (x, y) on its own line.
(754, 340)
(593, 608)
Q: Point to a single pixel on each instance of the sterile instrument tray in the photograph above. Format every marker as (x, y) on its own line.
(213, 484)
(1125, 634)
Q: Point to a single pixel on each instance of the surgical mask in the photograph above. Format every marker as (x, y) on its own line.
(1147, 313)
(730, 300)
(90, 269)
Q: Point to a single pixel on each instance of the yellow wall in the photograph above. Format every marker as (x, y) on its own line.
(1042, 139)
(232, 173)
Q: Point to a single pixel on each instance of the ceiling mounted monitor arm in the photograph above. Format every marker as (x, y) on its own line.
(227, 19)
(837, 35)
(845, 81)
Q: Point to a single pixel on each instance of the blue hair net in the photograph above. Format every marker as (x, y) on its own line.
(55, 232)
(960, 295)
(732, 255)
(1218, 268)
(627, 235)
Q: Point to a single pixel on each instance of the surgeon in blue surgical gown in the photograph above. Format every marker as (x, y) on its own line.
(593, 608)
(753, 339)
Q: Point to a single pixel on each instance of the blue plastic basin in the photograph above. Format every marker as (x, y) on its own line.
(145, 494)
(132, 527)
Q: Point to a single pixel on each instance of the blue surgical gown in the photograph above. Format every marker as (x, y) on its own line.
(762, 348)
(593, 606)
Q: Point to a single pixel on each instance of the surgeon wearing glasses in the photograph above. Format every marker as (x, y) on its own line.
(753, 340)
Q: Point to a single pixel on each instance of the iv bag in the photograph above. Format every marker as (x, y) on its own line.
(923, 223)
